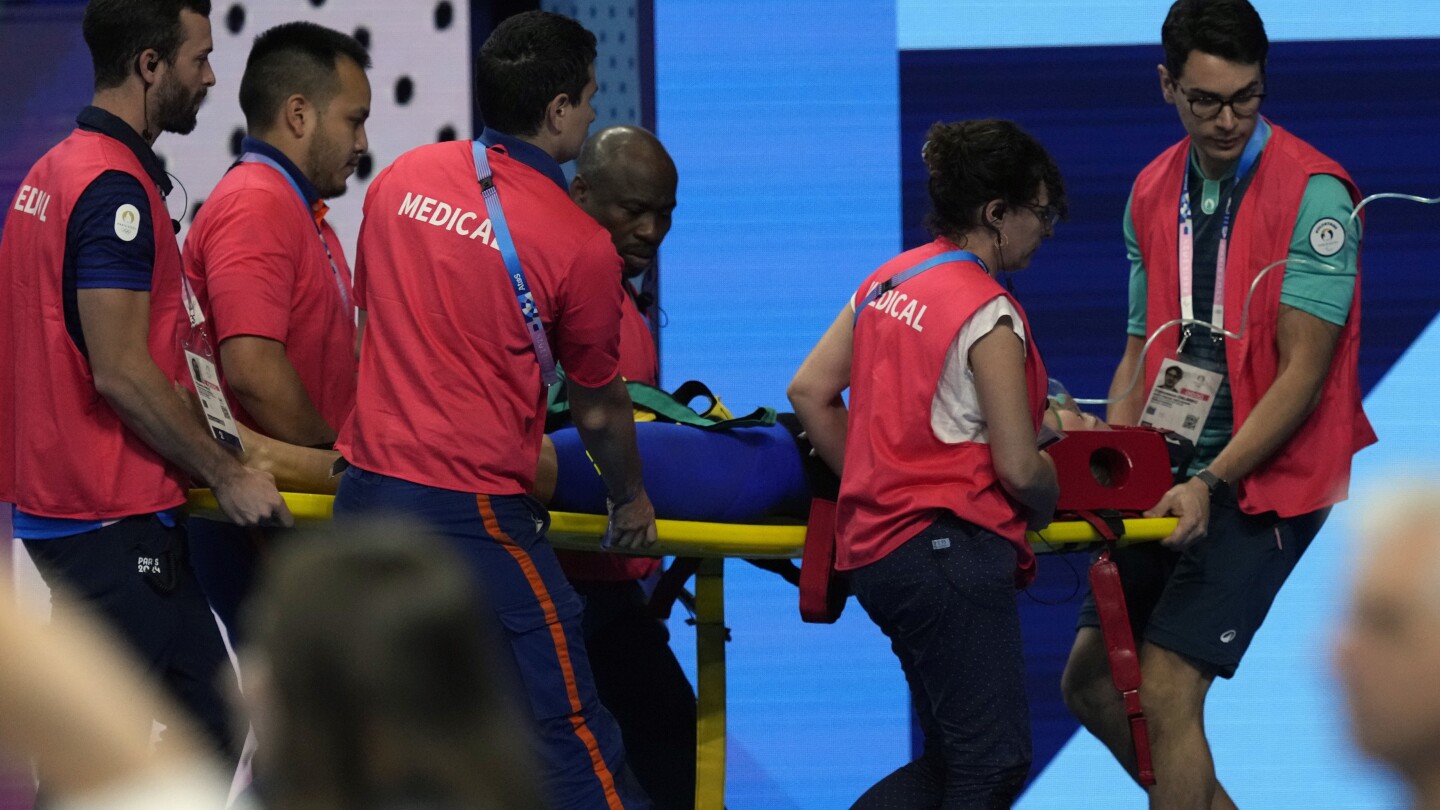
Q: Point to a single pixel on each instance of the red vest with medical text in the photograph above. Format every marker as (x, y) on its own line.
(1311, 470)
(63, 450)
(899, 476)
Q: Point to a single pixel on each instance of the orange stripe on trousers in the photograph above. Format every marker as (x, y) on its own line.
(562, 649)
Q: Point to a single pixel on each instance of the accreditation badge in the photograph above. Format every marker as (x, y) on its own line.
(200, 361)
(217, 411)
(1181, 398)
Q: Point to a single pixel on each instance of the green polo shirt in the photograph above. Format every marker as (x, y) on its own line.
(1322, 285)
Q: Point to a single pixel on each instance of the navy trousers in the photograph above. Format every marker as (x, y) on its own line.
(946, 601)
(502, 538)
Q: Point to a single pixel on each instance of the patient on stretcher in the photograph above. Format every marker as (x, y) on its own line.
(737, 475)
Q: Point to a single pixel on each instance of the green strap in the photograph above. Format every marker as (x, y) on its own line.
(674, 408)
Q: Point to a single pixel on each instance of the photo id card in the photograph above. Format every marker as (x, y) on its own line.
(217, 412)
(1181, 398)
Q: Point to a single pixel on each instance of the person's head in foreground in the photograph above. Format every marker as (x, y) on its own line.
(1388, 650)
(374, 679)
(994, 190)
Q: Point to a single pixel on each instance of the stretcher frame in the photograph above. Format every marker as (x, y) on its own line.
(713, 543)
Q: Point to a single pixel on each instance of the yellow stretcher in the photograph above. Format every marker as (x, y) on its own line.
(713, 542)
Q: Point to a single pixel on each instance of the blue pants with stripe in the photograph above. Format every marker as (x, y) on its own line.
(502, 538)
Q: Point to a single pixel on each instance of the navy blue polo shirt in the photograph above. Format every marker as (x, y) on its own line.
(259, 147)
(527, 153)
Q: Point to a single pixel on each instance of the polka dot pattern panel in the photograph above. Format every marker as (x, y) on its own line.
(419, 82)
(617, 62)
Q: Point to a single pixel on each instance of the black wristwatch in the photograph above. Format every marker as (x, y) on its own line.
(1217, 485)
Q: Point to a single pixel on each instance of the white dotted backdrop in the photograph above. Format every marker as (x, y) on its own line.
(419, 81)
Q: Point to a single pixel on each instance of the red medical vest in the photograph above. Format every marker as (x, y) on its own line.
(1312, 469)
(899, 477)
(63, 451)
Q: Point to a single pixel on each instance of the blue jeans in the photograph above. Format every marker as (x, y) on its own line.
(946, 600)
(502, 539)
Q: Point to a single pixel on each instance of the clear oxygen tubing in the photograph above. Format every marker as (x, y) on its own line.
(1245, 313)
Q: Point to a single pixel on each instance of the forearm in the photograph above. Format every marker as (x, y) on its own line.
(1275, 418)
(604, 418)
(294, 468)
(280, 406)
(827, 426)
(1306, 346)
(1033, 483)
(143, 399)
(817, 391)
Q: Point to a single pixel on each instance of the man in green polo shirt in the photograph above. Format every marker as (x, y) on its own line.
(1259, 209)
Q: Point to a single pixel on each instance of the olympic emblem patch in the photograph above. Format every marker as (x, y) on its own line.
(127, 222)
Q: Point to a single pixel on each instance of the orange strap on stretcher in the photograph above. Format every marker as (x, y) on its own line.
(1119, 640)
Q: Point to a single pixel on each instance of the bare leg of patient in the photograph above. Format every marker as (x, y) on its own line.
(307, 469)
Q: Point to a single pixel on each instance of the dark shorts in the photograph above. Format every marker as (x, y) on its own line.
(135, 576)
(1207, 602)
(227, 559)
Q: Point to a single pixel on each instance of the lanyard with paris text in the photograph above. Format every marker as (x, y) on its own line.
(200, 362)
(1186, 388)
(523, 295)
(255, 157)
(1187, 234)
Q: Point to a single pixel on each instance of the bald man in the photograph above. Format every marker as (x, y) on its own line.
(625, 180)
(1388, 651)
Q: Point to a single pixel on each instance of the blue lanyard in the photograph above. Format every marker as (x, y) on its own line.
(1186, 242)
(254, 157)
(523, 296)
(905, 275)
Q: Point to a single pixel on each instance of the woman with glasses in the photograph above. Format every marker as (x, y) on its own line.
(941, 471)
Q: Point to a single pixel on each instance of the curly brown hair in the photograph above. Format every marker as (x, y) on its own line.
(974, 162)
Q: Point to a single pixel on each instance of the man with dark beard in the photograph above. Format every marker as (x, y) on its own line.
(269, 272)
(95, 448)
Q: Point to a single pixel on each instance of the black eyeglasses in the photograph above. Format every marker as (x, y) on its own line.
(1205, 106)
(1047, 214)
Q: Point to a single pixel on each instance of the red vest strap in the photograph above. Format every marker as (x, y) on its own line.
(1119, 640)
(823, 590)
